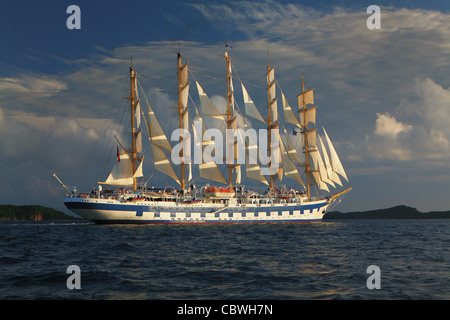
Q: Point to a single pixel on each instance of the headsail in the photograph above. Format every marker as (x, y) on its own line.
(122, 173)
(335, 162)
(332, 176)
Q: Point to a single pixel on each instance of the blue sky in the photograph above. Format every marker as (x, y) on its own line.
(383, 95)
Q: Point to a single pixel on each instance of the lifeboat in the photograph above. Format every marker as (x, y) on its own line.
(137, 199)
(216, 192)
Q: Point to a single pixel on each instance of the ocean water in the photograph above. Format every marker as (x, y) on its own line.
(327, 260)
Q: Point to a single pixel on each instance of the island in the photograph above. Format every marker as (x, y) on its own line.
(397, 212)
(31, 212)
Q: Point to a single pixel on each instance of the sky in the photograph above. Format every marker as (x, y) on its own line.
(382, 94)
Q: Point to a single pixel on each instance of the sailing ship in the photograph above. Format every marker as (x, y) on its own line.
(306, 158)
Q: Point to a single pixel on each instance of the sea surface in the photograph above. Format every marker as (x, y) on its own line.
(326, 260)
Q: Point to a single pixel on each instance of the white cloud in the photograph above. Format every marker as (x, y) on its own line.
(426, 136)
(429, 104)
(238, 12)
(388, 126)
(385, 142)
(42, 86)
(53, 145)
(30, 153)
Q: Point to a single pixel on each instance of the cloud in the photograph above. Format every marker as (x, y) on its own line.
(429, 104)
(53, 145)
(389, 127)
(385, 142)
(249, 11)
(43, 86)
(426, 136)
(31, 153)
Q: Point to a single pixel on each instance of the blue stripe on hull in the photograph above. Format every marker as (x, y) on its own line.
(185, 209)
(181, 214)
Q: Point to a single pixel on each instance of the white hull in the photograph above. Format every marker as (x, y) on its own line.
(159, 212)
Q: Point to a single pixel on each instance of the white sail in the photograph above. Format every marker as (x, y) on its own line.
(320, 166)
(208, 169)
(290, 170)
(139, 172)
(252, 168)
(309, 115)
(274, 108)
(207, 106)
(139, 141)
(162, 163)
(231, 93)
(159, 142)
(253, 171)
(305, 98)
(271, 75)
(122, 173)
(330, 173)
(311, 136)
(187, 142)
(185, 96)
(156, 134)
(233, 145)
(297, 140)
(184, 74)
(190, 172)
(138, 113)
(272, 91)
(314, 179)
(237, 172)
(279, 156)
(290, 149)
(184, 86)
(289, 115)
(335, 162)
(250, 108)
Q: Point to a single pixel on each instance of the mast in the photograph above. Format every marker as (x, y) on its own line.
(272, 119)
(133, 124)
(180, 119)
(228, 113)
(269, 118)
(305, 135)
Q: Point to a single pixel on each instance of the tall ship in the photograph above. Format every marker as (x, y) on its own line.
(291, 158)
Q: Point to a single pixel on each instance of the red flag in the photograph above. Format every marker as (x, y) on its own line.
(118, 155)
